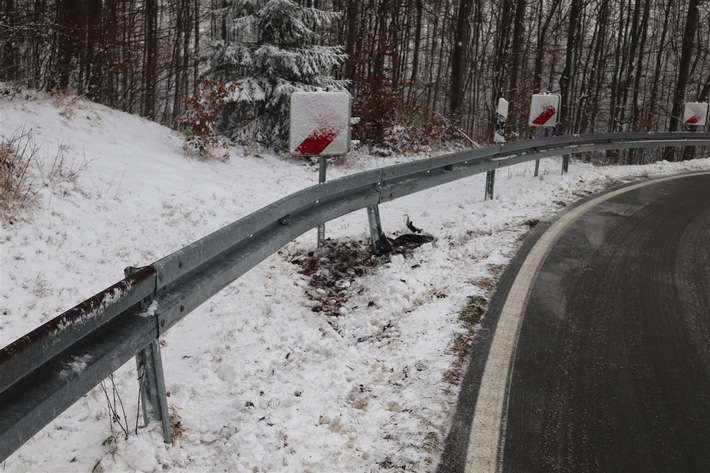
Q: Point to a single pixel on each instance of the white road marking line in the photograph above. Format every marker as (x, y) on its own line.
(485, 445)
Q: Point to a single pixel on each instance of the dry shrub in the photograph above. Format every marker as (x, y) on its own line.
(24, 171)
(61, 168)
(198, 124)
(376, 108)
(17, 152)
(392, 128)
(420, 132)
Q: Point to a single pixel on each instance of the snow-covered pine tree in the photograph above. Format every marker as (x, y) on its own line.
(271, 49)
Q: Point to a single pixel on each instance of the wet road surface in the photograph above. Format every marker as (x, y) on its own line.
(611, 368)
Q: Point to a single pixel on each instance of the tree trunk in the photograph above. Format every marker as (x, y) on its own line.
(150, 64)
(417, 45)
(10, 40)
(71, 16)
(637, 111)
(351, 38)
(691, 28)
(656, 81)
(458, 57)
(544, 23)
(516, 61)
(95, 57)
(567, 76)
(501, 52)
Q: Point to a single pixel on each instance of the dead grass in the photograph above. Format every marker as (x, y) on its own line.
(24, 171)
(17, 153)
(60, 168)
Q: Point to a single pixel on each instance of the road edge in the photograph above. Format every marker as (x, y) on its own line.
(479, 420)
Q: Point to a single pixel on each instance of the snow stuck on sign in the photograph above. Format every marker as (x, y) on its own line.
(544, 109)
(320, 123)
(695, 114)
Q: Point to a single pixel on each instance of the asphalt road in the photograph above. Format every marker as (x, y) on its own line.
(604, 364)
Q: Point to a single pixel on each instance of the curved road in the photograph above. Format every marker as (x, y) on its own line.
(597, 352)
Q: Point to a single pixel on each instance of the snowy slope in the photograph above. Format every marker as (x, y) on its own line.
(257, 379)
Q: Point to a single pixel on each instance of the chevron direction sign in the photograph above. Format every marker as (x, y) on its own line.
(696, 114)
(544, 109)
(319, 123)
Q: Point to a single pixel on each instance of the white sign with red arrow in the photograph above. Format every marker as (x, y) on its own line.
(320, 123)
(696, 114)
(544, 109)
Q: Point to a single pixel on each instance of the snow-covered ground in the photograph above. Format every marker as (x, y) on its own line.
(258, 381)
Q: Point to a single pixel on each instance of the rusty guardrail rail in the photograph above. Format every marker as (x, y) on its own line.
(47, 370)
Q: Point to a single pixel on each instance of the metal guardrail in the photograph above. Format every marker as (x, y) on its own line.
(47, 370)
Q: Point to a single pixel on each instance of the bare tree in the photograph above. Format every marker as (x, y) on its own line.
(458, 56)
(150, 60)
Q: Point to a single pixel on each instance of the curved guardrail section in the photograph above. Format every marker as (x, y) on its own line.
(50, 368)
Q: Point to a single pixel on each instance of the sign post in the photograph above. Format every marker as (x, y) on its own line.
(319, 126)
(544, 110)
(321, 179)
(498, 137)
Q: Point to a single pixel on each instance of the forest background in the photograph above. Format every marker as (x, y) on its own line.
(420, 71)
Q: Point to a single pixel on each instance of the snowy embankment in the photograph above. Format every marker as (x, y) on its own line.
(259, 378)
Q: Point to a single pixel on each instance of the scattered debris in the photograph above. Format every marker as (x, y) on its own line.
(410, 240)
(532, 223)
(334, 269)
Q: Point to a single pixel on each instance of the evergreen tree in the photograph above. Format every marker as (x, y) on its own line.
(271, 50)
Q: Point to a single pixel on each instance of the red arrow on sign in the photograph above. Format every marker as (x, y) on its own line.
(694, 119)
(548, 112)
(317, 141)
(695, 113)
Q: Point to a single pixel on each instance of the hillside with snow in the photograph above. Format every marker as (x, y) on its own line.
(274, 373)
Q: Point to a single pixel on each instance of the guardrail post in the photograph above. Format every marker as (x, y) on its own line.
(152, 388)
(380, 243)
(151, 379)
(565, 164)
(490, 182)
(639, 156)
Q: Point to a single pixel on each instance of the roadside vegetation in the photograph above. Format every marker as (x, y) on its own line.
(24, 172)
